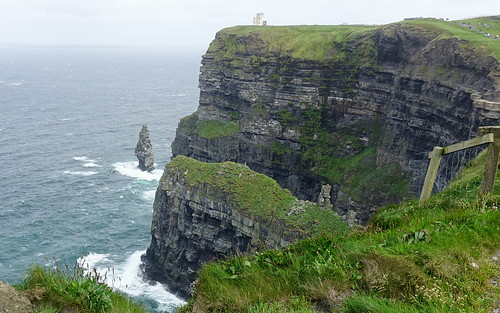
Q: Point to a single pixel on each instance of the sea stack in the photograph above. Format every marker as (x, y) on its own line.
(144, 151)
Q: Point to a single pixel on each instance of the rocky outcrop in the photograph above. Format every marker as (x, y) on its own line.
(361, 116)
(206, 211)
(14, 301)
(144, 151)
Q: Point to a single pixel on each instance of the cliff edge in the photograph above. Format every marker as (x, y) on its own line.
(355, 107)
(207, 211)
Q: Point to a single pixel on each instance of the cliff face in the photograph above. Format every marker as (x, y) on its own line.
(206, 211)
(358, 108)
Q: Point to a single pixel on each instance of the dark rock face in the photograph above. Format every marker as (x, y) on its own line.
(195, 223)
(392, 95)
(144, 151)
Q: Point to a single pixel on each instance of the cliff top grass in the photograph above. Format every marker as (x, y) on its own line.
(439, 256)
(317, 42)
(257, 195)
(475, 34)
(311, 42)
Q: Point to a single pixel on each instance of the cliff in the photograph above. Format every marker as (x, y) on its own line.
(354, 107)
(206, 211)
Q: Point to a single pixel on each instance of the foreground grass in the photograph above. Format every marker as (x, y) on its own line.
(54, 290)
(434, 257)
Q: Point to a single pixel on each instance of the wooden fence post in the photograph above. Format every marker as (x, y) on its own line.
(492, 158)
(432, 170)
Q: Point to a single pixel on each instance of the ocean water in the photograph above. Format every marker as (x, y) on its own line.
(70, 188)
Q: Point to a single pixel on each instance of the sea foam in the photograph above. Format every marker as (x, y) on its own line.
(149, 195)
(127, 277)
(130, 169)
(90, 164)
(83, 158)
(81, 173)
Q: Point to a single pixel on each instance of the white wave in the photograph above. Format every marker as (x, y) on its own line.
(92, 260)
(15, 84)
(127, 277)
(81, 173)
(130, 169)
(90, 164)
(177, 95)
(149, 195)
(83, 158)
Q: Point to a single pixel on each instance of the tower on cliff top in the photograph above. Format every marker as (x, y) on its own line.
(259, 20)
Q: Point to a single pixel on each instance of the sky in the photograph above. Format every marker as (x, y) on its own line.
(192, 24)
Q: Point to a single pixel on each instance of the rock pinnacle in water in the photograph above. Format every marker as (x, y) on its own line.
(144, 151)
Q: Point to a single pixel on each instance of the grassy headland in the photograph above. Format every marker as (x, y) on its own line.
(315, 42)
(256, 195)
(440, 256)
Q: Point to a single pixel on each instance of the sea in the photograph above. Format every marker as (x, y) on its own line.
(70, 189)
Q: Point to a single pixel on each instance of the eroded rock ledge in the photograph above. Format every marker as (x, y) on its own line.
(205, 211)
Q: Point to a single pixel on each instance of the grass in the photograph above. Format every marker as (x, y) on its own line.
(430, 257)
(454, 29)
(300, 42)
(255, 195)
(56, 290)
(214, 128)
(324, 42)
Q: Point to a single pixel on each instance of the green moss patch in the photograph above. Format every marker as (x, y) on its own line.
(215, 128)
(257, 195)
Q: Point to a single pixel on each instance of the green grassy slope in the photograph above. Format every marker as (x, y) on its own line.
(473, 35)
(434, 257)
(255, 195)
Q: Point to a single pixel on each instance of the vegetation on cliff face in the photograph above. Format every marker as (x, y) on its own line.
(439, 256)
(257, 195)
(215, 128)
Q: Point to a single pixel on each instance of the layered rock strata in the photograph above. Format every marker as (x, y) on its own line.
(144, 151)
(361, 116)
(207, 211)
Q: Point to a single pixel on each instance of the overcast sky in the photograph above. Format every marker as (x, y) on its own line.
(193, 23)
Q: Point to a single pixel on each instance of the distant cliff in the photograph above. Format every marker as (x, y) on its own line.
(206, 211)
(351, 106)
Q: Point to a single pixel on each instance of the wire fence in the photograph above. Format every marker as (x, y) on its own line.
(449, 167)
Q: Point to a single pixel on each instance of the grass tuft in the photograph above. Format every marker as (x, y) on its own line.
(56, 290)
